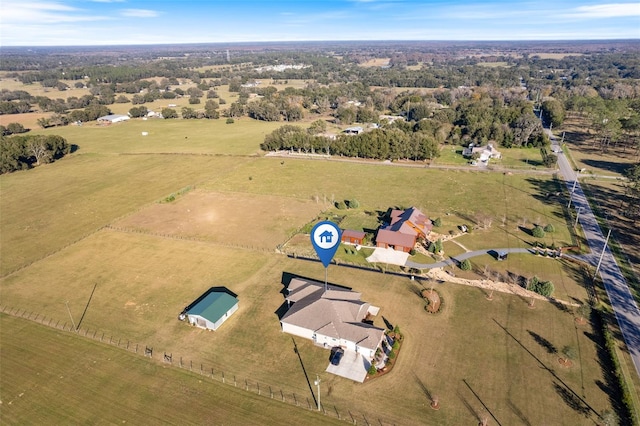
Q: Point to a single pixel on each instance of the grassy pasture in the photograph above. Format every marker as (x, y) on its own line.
(52, 377)
(51, 206)
(36, 89)
(169, 136)
(496, 64)
(232, 219)
(436, 192)
(512, 158)
(440, 351)
(143, 281)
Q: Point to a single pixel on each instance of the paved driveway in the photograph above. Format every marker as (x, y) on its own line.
(352, 366)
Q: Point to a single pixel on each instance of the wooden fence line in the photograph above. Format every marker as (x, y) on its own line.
(248, 385)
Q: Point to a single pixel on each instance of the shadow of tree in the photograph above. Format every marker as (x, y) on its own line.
(571, 400)
(547, 345)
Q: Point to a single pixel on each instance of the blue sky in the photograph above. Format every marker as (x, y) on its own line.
(107, 22)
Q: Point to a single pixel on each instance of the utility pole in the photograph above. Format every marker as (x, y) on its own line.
(69, 310)
(602, 254)
(575, 182)
(577, 216)
(317, 383)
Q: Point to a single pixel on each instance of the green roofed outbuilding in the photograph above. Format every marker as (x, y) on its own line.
(212, 308)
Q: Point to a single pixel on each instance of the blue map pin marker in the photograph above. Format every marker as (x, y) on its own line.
(325, 238)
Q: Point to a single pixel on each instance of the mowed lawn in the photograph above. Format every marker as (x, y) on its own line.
(52, 377)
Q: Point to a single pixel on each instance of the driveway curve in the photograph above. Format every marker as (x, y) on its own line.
(461, 257)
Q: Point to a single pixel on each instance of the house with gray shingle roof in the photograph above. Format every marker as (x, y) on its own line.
(330, 318)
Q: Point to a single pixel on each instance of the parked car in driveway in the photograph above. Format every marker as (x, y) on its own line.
(336, 355)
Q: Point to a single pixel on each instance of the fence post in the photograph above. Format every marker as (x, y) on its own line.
(270, 392)
(94, 333)
(246, 384)
(102, 337)
(295, 399)
(258, 385)
(337, 413)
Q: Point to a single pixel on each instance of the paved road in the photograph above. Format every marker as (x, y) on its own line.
(624, 306)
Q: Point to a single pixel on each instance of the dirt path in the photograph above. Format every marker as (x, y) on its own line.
(440, 274)
(460, 245)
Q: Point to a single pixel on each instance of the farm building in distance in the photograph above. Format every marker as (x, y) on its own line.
(356, 130)
(113, 118)
(211, 309)
(406, 227)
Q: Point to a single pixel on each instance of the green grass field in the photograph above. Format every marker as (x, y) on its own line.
(53, 377)
(132, 280)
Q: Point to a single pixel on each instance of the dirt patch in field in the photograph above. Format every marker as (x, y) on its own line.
(29, 120)
(255, 221)
(375, 62)
(434, 300)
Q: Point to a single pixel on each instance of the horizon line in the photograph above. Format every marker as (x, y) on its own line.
(265, 42)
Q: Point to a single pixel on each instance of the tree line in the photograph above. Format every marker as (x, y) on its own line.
(26, 151)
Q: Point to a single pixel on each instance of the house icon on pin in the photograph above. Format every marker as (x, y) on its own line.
(326, 237)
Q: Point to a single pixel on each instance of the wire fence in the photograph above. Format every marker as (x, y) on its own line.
(301, 400)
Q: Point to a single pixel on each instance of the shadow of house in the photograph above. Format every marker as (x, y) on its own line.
(212, 308)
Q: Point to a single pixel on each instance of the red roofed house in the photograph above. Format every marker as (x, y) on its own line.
(406, 227)
(353, 237)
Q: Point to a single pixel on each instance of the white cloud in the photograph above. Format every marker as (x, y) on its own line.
(139, 13)
(42, 12)
(609, 10)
